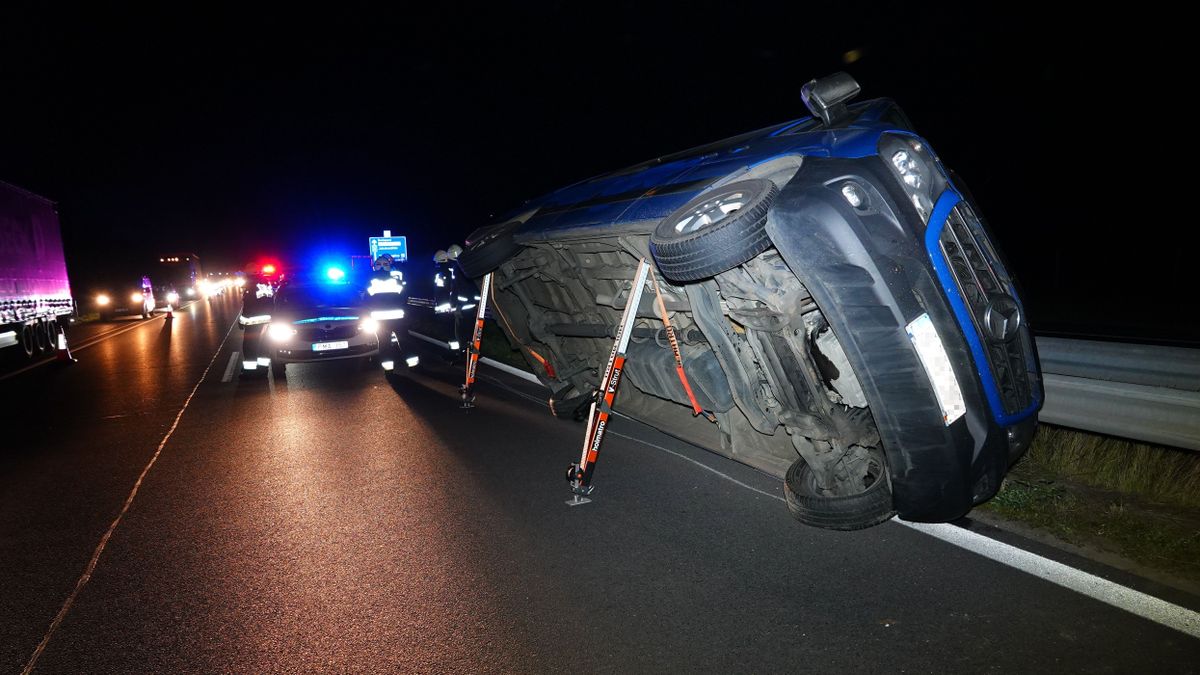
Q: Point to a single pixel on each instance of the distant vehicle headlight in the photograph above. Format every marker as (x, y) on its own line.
(102, 300)
(136, 297)
(191, 292)
(919, 172)
(369, 325)
(172, 297)
(280, 332)
(240, 281)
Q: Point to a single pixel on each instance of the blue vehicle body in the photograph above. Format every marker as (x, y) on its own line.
(843, 285)
(652, 190)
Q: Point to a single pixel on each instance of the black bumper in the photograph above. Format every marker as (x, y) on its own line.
(871, 273)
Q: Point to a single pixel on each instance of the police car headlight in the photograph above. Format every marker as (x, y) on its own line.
(369, 326)
(102, 300)
(280, 332)
(918, 171)
(387, 314)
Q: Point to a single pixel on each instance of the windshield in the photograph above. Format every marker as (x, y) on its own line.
(305, 298)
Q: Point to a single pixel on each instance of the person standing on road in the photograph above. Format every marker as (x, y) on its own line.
(385, 291)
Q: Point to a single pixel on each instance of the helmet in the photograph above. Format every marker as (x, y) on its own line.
(383, 262)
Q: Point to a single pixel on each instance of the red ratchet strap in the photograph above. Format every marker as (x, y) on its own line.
(549, 367)
(687, 387)
(545, 364)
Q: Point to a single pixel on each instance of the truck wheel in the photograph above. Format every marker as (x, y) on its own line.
(811, 505)
(28, 341)
(488, 248)
(41, 337)
(714, 232)
(52, 334)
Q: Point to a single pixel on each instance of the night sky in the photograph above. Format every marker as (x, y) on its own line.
(237, 135)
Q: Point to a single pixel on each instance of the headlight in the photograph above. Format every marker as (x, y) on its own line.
(918, 171)
(136, 297)
(172, 297)
(191, 292)
(102, 300)
(387, 314)
(280, 332)
(369, 326)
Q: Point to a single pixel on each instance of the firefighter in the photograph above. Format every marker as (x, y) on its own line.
(386, 301)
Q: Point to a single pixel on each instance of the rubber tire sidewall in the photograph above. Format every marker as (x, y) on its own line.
(854, 512)
(721, 245)
(488, 248)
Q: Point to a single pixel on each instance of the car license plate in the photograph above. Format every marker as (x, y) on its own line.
(326, 346)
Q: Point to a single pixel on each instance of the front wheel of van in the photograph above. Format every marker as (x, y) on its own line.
(864, 500)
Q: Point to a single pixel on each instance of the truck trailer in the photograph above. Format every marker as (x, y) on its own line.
(35, 294)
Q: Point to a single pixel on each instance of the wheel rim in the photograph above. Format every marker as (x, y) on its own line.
(864, 469)
(711, 211)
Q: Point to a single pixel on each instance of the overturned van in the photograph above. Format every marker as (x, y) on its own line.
(843, 317)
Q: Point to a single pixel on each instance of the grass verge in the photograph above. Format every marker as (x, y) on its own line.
(1131, 499)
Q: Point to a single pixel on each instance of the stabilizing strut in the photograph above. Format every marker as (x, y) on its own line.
(580, 475)
(468, 388)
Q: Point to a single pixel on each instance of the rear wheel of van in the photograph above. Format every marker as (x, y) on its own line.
(487, 248)
(863, 500)
(714, 232)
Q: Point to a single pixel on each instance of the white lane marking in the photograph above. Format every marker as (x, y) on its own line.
(91, 566)
(90, 342)
(233, 363)
(432, 341)
(1110, 593)
(702, 465)
(1135, 602)
(523, 374)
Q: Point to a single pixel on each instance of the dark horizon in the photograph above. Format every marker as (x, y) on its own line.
(240, 136)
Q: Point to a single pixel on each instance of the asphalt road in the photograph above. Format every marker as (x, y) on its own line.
(331, 521)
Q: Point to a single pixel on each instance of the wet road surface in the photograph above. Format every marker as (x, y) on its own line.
(329, 520)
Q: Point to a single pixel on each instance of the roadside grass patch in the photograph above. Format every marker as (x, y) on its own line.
(1133, 499)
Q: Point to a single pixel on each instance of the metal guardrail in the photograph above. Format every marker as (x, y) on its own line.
(1143, 392)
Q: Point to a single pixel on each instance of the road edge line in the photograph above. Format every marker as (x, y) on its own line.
(1098, 588)
(91, 566)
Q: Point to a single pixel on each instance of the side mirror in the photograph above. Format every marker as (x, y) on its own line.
(826, 98)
